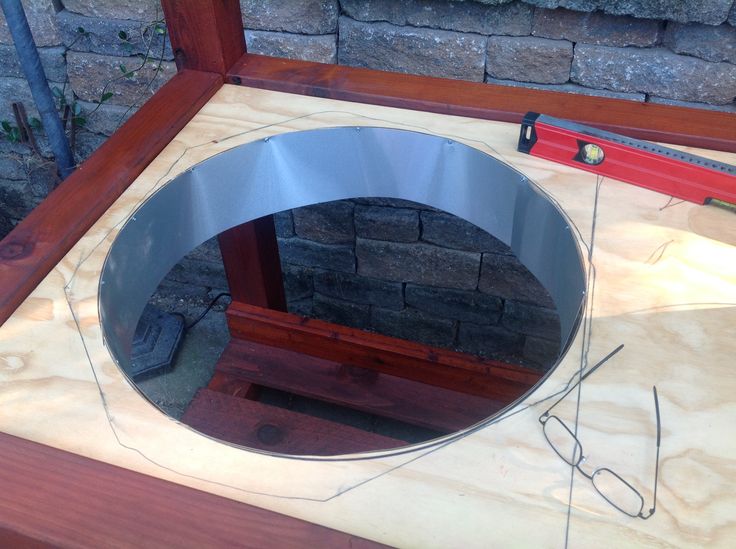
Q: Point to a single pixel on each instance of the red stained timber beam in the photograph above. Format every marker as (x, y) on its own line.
(250, 254)
(407, 359)
(678, 125)
(51, 498)
(42, 239)
(206, 35)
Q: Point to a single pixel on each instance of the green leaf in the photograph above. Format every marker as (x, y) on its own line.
(123, 35)
(160, 30)
(81, 30)
(123, 68)
(130, 74)
(79, 121)
(6, 126)
(56, 90)
(14, 135)
(105, 97)
(35, 123)
(76, 108)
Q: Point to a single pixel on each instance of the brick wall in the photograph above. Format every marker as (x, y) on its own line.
(389, 266)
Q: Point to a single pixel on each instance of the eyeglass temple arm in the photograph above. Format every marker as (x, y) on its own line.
(600, 363)
(659, 436)
(656, 465)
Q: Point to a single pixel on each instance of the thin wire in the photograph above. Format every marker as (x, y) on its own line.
(586, 341)
(600, 363)
(423, 449)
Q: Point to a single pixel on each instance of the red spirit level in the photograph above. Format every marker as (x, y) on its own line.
(642, 163)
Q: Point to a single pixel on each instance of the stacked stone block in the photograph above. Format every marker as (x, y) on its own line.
(414, 272)
(82, 66)
(306, 29)
(674, 51)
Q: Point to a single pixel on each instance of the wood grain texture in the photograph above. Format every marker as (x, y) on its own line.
(677, 125)
(32, 249)
(398, 357)
(358, 388)
(57, 499)
(206, 35)
(665, 286)
(264, 427)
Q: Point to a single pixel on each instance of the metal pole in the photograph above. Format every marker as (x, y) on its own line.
(30, 62)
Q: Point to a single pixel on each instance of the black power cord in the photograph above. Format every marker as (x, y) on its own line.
(192, 324)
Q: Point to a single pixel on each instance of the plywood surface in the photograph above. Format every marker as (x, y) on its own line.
(662, 281)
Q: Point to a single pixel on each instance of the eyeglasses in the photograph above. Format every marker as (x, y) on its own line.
(609, 484)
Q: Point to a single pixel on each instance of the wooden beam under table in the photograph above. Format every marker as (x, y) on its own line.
(244, 366)
(52, 498)
(42, 239)
(406, 359)
(677, 125)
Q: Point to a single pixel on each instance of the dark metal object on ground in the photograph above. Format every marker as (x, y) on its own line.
(155, 342)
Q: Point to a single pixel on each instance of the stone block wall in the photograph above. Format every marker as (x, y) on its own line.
(388, 266)
(411, 271)
(86, 48)
(667, 51)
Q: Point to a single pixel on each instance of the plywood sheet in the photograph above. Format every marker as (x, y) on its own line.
(662, 281)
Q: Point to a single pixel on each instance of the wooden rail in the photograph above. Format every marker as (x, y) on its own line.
(51, 498)
(397, 357)
(255, 425)
(678, 125)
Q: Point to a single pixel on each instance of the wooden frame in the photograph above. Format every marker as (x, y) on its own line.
(205, 59)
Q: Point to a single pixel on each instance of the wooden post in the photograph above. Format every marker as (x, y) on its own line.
(251, 257)
(207, 35)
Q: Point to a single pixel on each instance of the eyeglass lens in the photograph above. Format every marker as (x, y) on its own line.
(618, 492)
(614, 489)
(562, 440)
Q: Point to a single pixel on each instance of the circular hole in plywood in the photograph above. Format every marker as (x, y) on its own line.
(302, 169)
